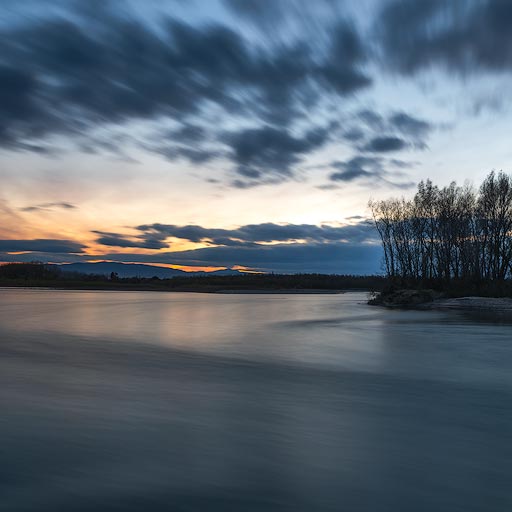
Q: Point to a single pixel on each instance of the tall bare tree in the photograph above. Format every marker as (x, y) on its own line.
(448, 233)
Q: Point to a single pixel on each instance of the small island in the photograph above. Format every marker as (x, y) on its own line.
(448, 248)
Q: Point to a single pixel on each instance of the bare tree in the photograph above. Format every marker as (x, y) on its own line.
(448, 233)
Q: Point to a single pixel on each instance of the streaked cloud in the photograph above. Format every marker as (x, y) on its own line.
(154, 235)
(335, 258)
(48, 207)
(372, 168)
(266, 115)
(465, 37)
(42, 246)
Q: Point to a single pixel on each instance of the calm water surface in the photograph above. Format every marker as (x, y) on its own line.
(128, 401)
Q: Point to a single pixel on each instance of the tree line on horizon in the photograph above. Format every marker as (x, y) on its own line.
(43, 274)
(450, 233)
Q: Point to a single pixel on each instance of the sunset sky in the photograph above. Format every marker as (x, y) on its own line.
(239, 133)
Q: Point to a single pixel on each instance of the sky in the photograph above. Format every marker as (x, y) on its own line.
(249, 134)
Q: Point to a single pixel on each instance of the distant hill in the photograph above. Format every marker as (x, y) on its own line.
(137, 270)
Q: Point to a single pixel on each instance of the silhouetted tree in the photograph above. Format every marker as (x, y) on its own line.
(448, 233)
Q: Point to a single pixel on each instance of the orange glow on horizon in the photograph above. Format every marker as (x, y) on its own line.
(185, 268)
(246, 270)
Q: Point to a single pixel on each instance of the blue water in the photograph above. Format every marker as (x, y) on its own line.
(140, 401)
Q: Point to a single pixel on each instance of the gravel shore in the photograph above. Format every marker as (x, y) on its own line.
(432, 300)
(484, 304)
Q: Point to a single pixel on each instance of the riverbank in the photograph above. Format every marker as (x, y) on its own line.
(42, 276)
(189, 289)
(426, 299)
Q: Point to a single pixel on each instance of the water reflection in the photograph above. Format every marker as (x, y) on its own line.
(148, 401)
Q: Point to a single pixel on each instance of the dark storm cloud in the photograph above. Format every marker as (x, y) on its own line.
(188, 141)
(117, 240)
(371, 168)
(192, 233)
(86, 73)
(188, 134)
(251, 235)
(346, 46)
(116, 72)
(194, 156)
(371, 131)
(277, 17)
(270, 232)
(68, 76)
(44, 257)
(353, 134)
(267, 150)
(371, 119)
(258, 11)
(48, 207)
(41, 245)
(20, 114)
(385, 144)
(357, 167)
(409, 125)
(460, 36)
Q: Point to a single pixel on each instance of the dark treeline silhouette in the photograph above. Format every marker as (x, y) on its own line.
(450, 236)
(38, 274)
(29, 271)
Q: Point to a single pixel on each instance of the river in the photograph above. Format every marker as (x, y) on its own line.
(146, 401)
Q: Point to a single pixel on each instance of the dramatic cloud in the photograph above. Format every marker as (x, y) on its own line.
(339, 70)
(357, 167)
(459, 36)
(262, 13)
(385, 144)
(259, 99)
(409, 125)
(194, 156)
(352, 248)
(251, 235)
(370, 131)
(116, 240)
(363, 167)
(117, 70)
(267, 150)
(41, 245)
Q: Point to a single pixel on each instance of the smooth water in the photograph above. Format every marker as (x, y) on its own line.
(141, 401)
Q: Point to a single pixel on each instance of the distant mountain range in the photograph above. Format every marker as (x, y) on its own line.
(137, 270)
